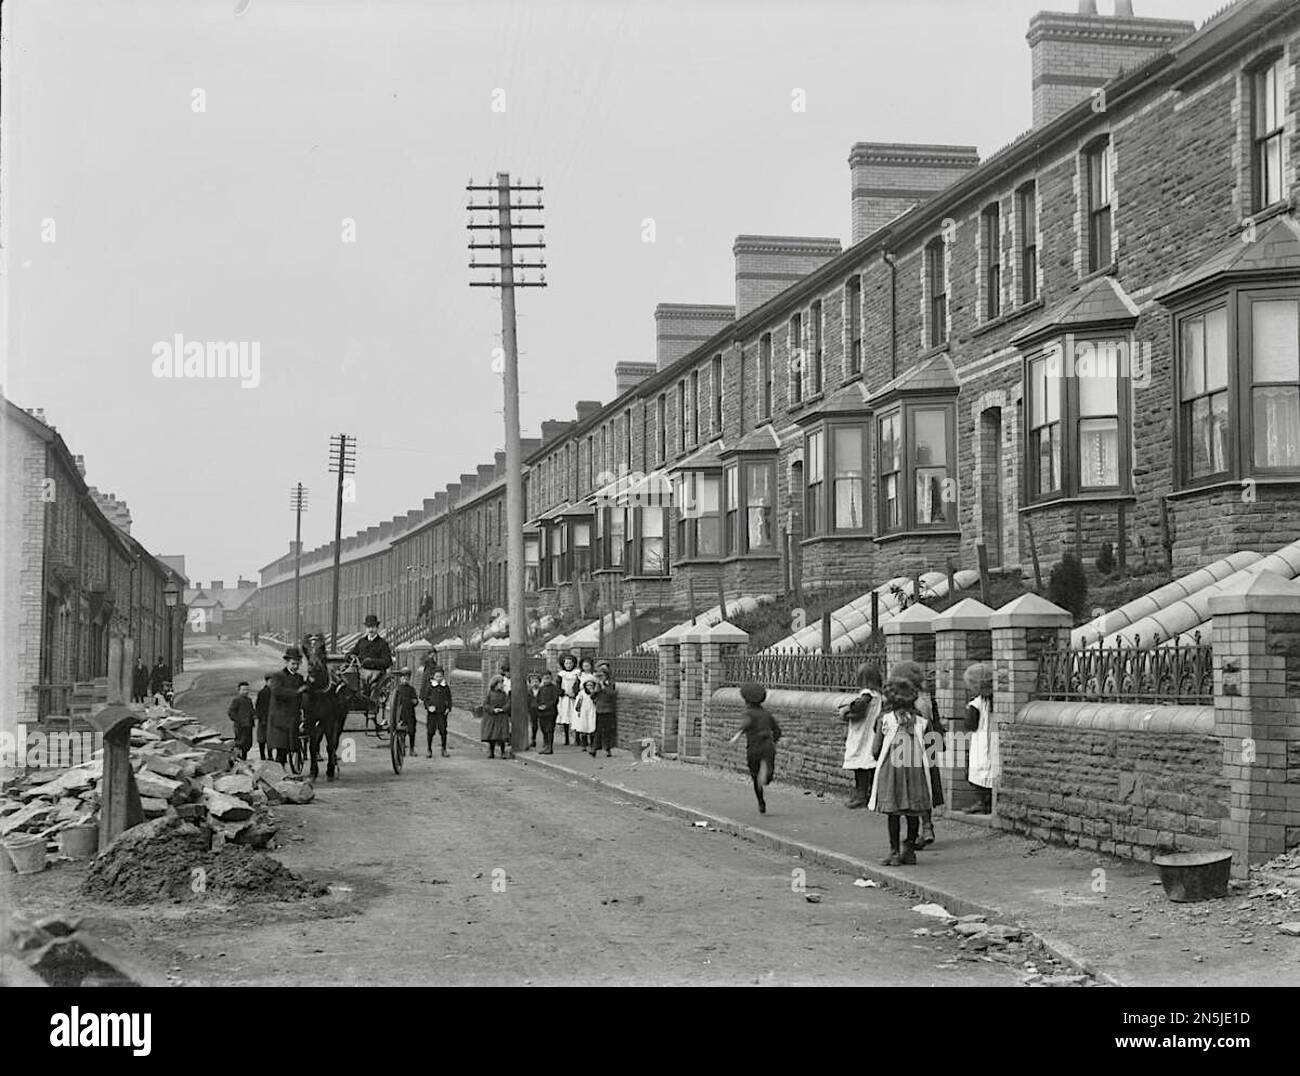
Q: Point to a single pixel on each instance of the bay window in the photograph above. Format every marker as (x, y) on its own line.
(699, 515)
(581, 543)
(814, 468)
(848, 499)
(609, 530)
(557, 545)
(646, 538)
(1203, 393)
(1077, 418)
(1275, 383)
(532, 563)
(751, 506)
(916, 467)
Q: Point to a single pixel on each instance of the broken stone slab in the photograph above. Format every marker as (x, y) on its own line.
(267, 770)
(215, 761)
(155, 786)
(971, 918)
(257, 835)
(1290, 929)
(152, 807)
(226, 808)
(938, 911)
(231, 830)
(970, 930)
(1005, 932)
(191, 812)
(32, 814)
(169, 766)
(292, 790)
(269, 790)
(233, 784)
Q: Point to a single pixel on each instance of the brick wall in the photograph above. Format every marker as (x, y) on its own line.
(21, 589)
(1128, 793)
(640, 715)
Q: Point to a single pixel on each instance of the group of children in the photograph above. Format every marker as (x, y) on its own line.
(893, 737)
(582, 701)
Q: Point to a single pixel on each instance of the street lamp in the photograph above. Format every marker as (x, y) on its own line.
(171, 598)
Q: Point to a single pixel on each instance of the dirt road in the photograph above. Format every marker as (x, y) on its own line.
(470, 871)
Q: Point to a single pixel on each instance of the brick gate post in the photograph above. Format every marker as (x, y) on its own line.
(670, 686)
(495, 653)
(1021, 630)
(961, 638)
(910, 637)
(691, 720)
(1256, 638)
(718, 642)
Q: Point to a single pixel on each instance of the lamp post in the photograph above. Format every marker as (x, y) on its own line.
(172, 599)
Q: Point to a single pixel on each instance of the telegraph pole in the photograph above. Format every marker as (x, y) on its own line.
(343, 460)
(505, 246)
(298, 504)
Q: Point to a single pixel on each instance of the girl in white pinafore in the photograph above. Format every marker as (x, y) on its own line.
(567, 681)
(982, 764)
(584, 712)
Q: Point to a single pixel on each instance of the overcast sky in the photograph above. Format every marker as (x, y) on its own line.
(227, 223)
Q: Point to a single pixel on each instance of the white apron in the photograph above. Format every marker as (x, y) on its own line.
(584, 710)
(857, 741)
(564, 714)
(982, 759)
(892, 730)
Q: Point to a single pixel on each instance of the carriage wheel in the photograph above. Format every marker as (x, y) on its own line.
(398, 751)
(381, 729)
(297, 751)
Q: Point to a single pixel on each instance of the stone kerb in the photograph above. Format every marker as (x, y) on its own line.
(962, 637)
(1256, 640)
(1021, 630)
(910, 636)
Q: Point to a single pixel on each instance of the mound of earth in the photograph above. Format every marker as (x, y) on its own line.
(168, 859)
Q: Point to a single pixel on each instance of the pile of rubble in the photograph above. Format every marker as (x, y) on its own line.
(57, 952)
(1000, 943)
(182, 768)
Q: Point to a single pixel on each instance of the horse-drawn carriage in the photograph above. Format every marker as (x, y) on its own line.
(377, 704)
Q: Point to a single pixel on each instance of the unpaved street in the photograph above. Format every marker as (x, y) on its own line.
(465, 870)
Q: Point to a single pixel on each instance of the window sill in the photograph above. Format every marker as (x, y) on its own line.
(1010, 316)
(1234, 484)
(693, 561)
(1106, 270)
(1267, 213)
(898, 536)
(851, 378)
(935, 349)
(1078, 498)
(662, 577)
(741, 558)
(837, 536)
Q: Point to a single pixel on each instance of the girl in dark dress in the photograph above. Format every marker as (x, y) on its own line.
(902, 785)
(494, 726)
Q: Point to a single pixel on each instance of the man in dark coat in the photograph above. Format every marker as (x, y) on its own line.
(159, 675)
(241, 714)
(287, 690)
(262, 710)
(374, 654)
(139, 680)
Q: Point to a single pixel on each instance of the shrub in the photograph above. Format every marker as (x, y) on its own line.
(1106, 559)
(1068, 585)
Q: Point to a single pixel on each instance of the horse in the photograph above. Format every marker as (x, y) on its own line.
(327, 709)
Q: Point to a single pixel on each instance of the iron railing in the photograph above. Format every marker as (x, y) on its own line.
(1178, 674)
(634, 668)
(803, 672)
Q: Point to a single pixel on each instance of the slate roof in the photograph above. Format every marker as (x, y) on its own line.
(1099, 302)
(1276, 249)
(936, 374)
(708, 456)
(763, 439)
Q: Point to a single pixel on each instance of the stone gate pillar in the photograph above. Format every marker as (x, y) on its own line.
(716, 643)
(670, 686)
(910, 637)
(1022, 629)
(1256, 640)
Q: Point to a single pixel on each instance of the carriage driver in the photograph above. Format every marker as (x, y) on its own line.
(372, 651)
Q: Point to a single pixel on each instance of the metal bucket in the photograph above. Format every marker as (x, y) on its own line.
(79, 842)
(27, 853)
(1194, 876)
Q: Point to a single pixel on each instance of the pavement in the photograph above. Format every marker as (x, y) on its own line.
(1107, 917)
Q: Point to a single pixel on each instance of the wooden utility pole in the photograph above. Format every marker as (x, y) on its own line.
(298, 503)
(505, 247)
(343, 461)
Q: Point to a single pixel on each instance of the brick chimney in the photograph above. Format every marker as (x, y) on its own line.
(430, 506)
(682, 327)
(587, 408)
(553, 428)
(385, 530)
(627, 375)
(529, 445)
(468, 484)
(768, 264)
(888, 178)
(500, 459)
(453, 493)
(245, 584)
(80, 461)
(439, 502)
(1073, 54)
(487, 473)
(413, 517)
(218, 584)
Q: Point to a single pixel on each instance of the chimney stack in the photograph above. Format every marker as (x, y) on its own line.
(888, 178)
(468, 484)
(440, 502)
(627, 375)
(529, 445)
(453, 494)
(768, 264)
(487, 473)
(553, 428)
(80, 461)
(1071, 55)
(500, 459)
(217, 584)
(682, 327)
(587, 408)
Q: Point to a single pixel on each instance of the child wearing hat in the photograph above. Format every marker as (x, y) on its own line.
(242, 715)
(761, 733)
(437, 704)
(406, 700)
(547, 704)
(606, 710)
(982, 750)
(902, 784)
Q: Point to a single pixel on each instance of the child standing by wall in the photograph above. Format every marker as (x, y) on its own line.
(861, 715)
(241, 713)
(568, 685)
(982, 748)
(761, 734)
(584, 717)
(494, 727)
(437, 704)
(902, 784)
(548, 702)
(606, 711)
